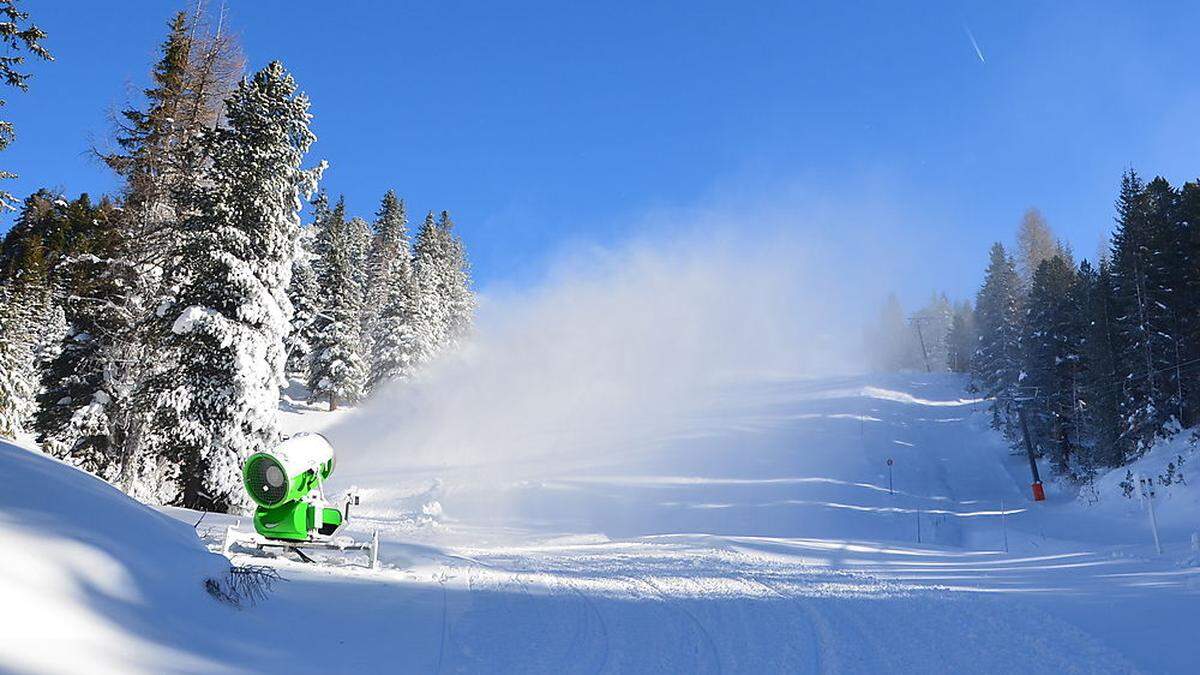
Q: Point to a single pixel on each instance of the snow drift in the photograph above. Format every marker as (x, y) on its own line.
(94, 581)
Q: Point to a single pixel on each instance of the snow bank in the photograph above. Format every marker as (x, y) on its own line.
(905, 397)
(92, 580)
(1173, 467)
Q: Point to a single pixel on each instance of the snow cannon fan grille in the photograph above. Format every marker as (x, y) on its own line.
(266, 480)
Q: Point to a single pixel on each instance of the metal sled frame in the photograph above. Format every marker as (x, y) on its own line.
(235, 536)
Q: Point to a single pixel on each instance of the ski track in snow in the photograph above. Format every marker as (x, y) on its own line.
(817, 638)
(676, 605)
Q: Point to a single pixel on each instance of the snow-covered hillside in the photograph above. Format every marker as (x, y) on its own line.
(758, 535)
(93, 581)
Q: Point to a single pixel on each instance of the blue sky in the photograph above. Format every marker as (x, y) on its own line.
(542, 125)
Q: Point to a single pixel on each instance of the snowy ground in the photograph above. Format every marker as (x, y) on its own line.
(757, 535)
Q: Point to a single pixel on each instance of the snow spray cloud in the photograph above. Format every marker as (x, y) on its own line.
(616, 346)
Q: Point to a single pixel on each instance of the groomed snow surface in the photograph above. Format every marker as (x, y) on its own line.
(760, 536)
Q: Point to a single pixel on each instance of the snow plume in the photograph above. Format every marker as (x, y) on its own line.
(616, 347)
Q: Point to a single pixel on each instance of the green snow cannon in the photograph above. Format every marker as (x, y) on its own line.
(286, 483)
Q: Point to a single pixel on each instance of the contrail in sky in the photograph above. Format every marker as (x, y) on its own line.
(974, 44)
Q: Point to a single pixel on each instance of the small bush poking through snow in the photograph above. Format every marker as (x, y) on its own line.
(1173, 473)
(243, 585)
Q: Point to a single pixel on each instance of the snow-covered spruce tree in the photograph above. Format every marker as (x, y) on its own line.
(389, 258)
(1168, 239)
(79, 403)
(42, 299)
(30, 295)
(303, 293)
(996, 364)
(18, 376)
(317, 232)
(390, 296)
(40, 235)
(430, 308)
(403, 340)
(53, 333)
(1100, 383)
(1050, 361)
(336, 370)
(433, 311)
(226, 324)
(961, 340)
(360, 238)
(1188, 298)
(457, 297)
(358, 232)
(933, 323)
(44, 234)
(159, 156)
(1143, 283)
(73, 421)
(437, 309)
(48, 231)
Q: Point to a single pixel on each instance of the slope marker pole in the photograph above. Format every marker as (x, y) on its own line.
(1004, 525)
(1147, 493)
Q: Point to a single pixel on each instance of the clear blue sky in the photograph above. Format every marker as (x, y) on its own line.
(539, 124)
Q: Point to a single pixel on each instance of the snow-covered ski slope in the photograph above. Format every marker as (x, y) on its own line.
(756, 535)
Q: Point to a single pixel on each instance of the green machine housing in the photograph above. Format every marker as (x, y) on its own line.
(279, 482)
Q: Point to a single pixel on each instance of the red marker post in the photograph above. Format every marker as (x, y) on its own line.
(1039, 493)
